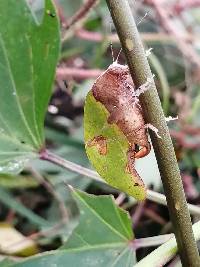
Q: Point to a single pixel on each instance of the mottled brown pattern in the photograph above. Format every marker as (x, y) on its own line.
(115, 90)
(100, 143)
(130, 168)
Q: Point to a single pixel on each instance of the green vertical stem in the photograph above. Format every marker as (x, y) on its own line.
(169, 170)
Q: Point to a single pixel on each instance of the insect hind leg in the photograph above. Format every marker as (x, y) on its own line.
(153, 128)
(144, 87)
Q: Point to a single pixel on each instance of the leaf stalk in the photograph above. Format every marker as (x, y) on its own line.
(153, 113)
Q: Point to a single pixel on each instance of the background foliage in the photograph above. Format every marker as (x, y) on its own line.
(36, 201)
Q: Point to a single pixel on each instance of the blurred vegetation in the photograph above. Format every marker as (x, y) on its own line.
(37, 202)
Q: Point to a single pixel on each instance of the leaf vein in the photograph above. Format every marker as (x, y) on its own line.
(101, 219)
(34, 106)
(120, 219)
(16, 93)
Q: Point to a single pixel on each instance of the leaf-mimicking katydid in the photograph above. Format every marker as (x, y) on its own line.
(116, 93)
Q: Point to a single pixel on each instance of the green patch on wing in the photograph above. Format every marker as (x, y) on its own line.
(112, 164)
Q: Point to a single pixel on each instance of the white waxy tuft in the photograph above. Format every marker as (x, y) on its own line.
(148, 52)
(144, 87)
(170, 118)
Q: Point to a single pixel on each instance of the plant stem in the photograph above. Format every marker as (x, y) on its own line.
(81, 13)
(47, 155)
(64, 73)
(164, 253)
(68, 165)
(148, 37)
(150, 241)
(170, 174)
(161, 199)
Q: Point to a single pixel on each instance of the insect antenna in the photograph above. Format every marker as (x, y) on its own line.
(141, 20)
(112, 53)
(111, 48)
(111, 45)
(118, 55)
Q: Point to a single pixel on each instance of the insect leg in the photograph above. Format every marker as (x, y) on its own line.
(153, 128)
(144, 87)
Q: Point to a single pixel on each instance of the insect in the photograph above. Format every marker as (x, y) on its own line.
(116, 95)
(115, 90)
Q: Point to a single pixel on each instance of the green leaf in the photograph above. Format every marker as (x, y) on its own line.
(102, 238)
(17, 181)
(101, 222)
(6, 262)
(112, 166)
(104, 257)
(28, 55)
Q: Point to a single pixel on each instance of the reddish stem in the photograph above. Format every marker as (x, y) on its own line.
(183, 5)
(81, 13)
(187, 49)
(63, 73)
(147, 37)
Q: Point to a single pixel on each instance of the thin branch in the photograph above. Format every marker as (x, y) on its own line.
(146, 37)
(150, 213)
(64, 72)
(164, 253)
(183, 5)
(151, 195)
(189, 129)
(150, 241)
(181, 139)
(80, 14)
(119, 200)
(52, 191)
(66, 164)
(60, 12)
(96, 36)
(163, 147)
(161, 199)
(186, 48)
(138, 213)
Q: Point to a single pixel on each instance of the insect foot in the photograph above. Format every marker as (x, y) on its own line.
(153, 128)
(170, 118)
(144, 151)
(144, 87)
